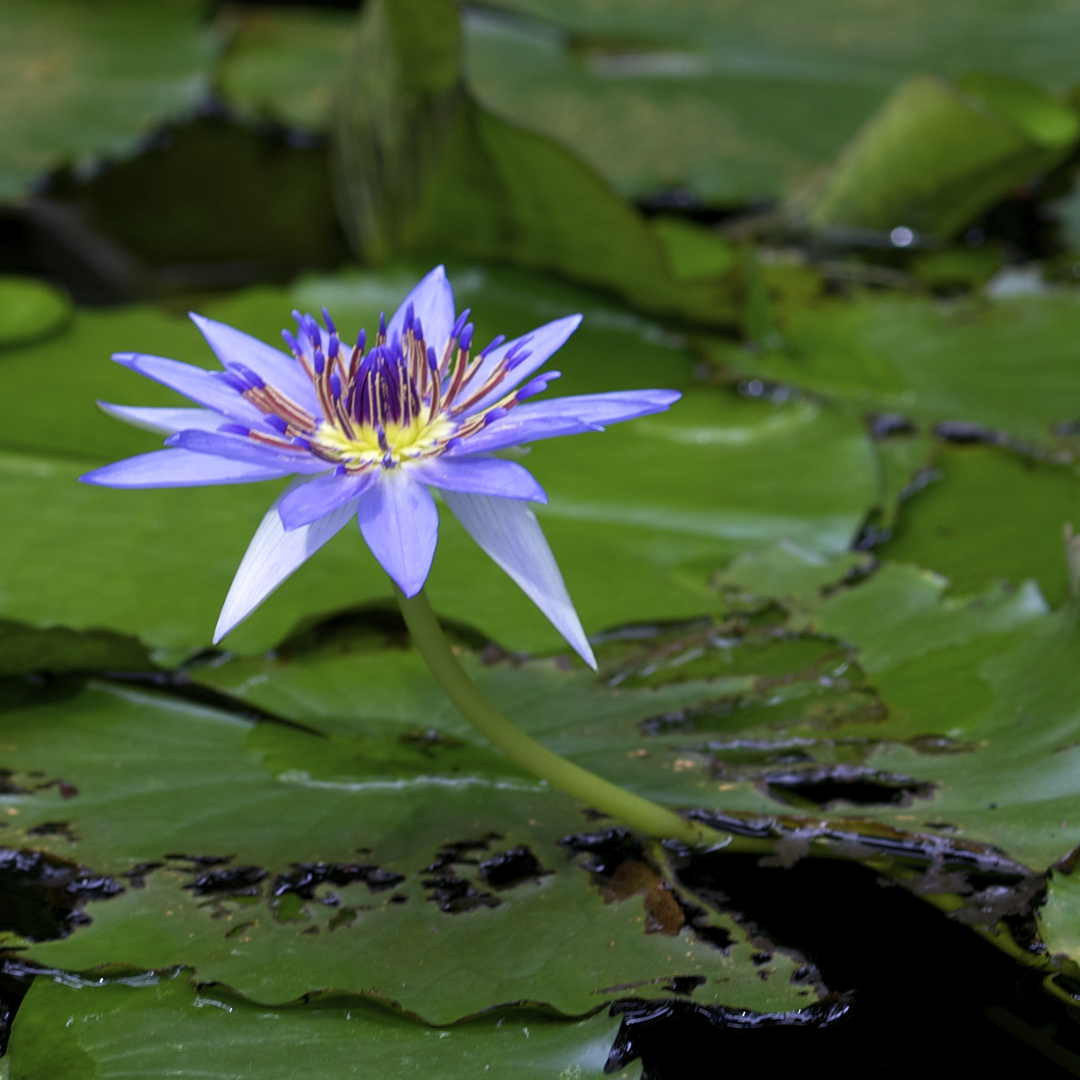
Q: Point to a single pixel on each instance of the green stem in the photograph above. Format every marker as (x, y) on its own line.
(617, 802)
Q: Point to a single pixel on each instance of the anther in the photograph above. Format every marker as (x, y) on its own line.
(235, 429)
(461, 320)
(493, 344)
(465, 338)
(254, 382)
(328, 321)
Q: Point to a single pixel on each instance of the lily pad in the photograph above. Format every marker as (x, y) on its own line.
(938, 154)
(986, 515)
(385, 864)
(122, 1028)
(778, 90)
(876, 704)
(30, 309)
(283, 65)
(81, 83)
(1007, 366)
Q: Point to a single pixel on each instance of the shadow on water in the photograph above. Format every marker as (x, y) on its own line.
(926, 996)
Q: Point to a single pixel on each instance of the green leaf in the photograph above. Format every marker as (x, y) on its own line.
(936, 155)
(1008, 365)
(426, 170)
(81, 82)
(990, 515)
(30, 309)
(737, 101)
(25, 649)
(663, 501)
(155, 1027)
(283, 64)
(149, 779)
(693, 251)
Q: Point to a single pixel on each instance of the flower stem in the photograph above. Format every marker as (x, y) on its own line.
(641, 814)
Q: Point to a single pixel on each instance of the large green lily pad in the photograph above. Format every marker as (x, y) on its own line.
(154, 1027)
(424, 859)
(949, 718)
(284, 64)
(82, 82)
(1009, 365)
(736, 100)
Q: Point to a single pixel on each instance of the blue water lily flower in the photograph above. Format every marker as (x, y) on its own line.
(367, 432)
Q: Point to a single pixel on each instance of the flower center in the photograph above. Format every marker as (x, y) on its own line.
(397, 403)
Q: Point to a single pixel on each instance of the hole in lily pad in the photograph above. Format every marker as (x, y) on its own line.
(825, 787)
(512, 868)
(230, 880)
(41, 896)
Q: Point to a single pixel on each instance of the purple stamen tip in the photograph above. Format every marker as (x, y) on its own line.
(519, 359)
(493, 344)
(493, 415)
(232, 379)
(465, 338)
(290, 340)
(340, 470)
(253, 380)
(382, 324)
(537, 385)
(432, 359)
(320, 363)
(335, 343)
(361, 340)
(301, 442)
(328, 321)
(277, 423)
(461, 320)
(234, 429)
(335, 385)
(409, 317)
(417, 330)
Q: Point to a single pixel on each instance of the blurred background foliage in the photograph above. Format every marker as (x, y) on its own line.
(829, 592)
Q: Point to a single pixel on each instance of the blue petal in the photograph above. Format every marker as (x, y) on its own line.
(433, 304)
(480, 476)
(537, 420)
(238, 448)
(401, 526)
(509, 532)
(271, 557)
(322, 495)
(165, 421)
(200, 386)
(178, 468)
(542, 343)
(280, 370)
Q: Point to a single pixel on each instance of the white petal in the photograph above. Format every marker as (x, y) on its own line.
(165, 421)
(508, 531)
(271, 557)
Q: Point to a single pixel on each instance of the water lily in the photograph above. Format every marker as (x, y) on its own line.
(367, 433)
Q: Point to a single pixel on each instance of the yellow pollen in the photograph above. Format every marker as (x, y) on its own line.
(405, 441)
